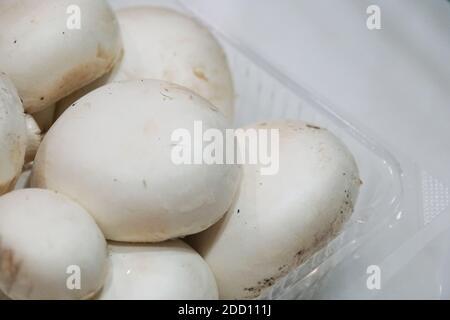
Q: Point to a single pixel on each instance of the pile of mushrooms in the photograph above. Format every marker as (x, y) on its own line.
(105, 213)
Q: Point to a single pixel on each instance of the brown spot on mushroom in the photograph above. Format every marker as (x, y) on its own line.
(200, 74)
(5, 187)
(102, 53)
(165, 96)
(213, 107)
(74, 79)
(9, 267)
(261, 285)
(299, 255)
(282, 267)
(313, 127)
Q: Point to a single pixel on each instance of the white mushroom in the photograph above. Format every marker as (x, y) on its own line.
(19, 135)
(162, 44)
(277, 221)
(119, 163)
(52, 48)
(168, 270)
(50, 247)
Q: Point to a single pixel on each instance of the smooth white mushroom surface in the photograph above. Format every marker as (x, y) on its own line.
(169, 270)
(112, 152)
(277, 221)
(51, 48)
(163, 44)
(19, 135)
(50, 247)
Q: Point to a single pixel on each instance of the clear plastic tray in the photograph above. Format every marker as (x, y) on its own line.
(263, 93)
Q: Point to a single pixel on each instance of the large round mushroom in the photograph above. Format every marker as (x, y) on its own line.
(52, 48)
(277, 221)
(113, 153)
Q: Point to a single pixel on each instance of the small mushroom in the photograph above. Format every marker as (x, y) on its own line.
(50, 247)
(168, 270)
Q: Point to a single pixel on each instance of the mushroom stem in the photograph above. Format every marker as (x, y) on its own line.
(33, 138)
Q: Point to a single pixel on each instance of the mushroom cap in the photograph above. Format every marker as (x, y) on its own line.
(13, 134)
(42, 234)
(277, 221)
(47, 56)
(112, 152)
(163, 44)
(167, 270)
